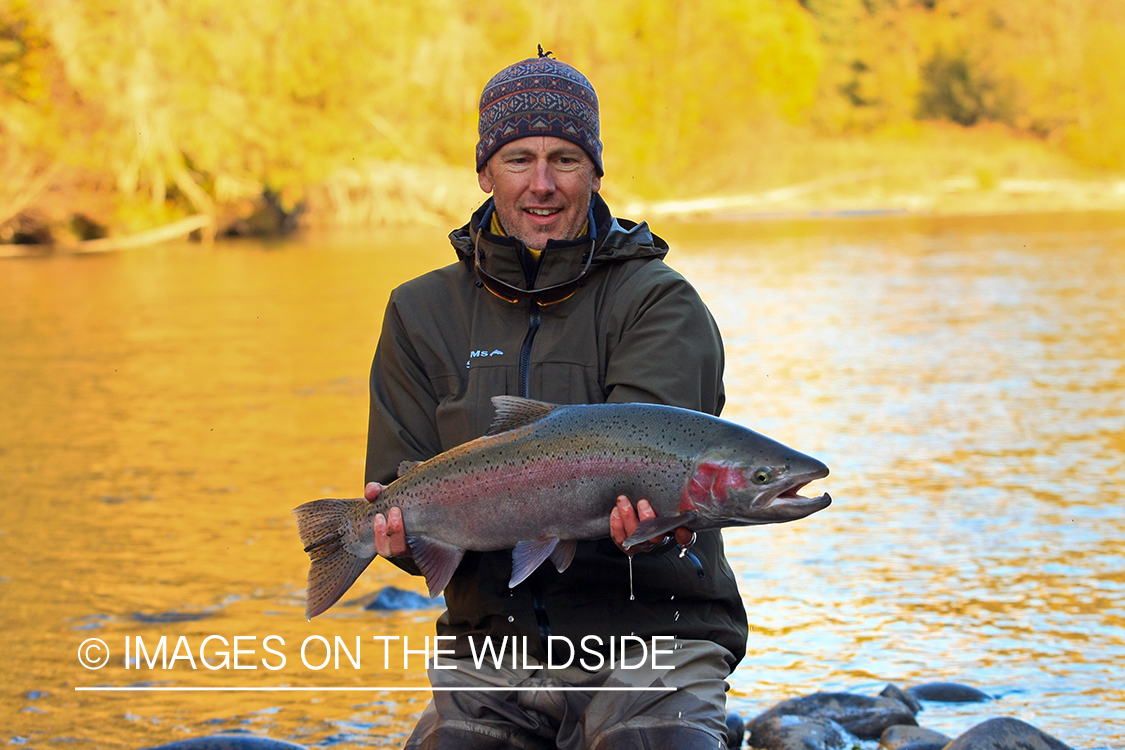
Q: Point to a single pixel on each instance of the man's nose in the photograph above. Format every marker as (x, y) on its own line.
(543, 181)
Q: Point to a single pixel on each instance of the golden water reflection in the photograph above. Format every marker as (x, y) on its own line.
(161, 411)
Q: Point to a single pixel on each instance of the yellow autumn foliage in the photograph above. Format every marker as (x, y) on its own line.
(185, 106)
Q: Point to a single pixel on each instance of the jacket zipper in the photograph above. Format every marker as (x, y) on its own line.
(538, 601)
(525, 351)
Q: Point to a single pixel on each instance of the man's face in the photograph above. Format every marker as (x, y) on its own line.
(541, 186)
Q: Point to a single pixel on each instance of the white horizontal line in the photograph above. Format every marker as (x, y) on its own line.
(369, 689)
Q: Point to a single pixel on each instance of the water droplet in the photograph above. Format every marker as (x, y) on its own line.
(673, 597)
(677, 616)
(512, 619)
(631, 598)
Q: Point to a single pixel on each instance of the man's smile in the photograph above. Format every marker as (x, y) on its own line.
(542, 217)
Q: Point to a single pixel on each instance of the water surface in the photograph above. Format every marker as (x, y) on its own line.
(162, 410)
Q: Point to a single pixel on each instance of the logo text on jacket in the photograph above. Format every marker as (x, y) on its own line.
(479, 353)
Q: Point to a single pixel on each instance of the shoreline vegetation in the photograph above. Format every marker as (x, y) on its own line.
(127, 123)
(383, 199)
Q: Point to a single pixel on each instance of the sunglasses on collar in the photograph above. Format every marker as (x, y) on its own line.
(548, 295)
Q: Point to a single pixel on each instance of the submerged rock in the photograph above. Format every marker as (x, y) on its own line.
(947, 692)
(166, 618)
(901, 736)
(893, 691)
(390, 598)
(863, 716)
(1006, 734)
(789, 732)
(230, 742)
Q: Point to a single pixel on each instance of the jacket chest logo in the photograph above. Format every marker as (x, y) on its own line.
(480, 354)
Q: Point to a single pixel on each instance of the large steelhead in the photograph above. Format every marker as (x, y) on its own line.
(546, 476)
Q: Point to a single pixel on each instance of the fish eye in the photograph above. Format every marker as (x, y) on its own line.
(762, 475)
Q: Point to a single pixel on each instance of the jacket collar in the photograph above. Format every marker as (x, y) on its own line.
(507, 258)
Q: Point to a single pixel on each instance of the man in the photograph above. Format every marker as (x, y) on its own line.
(552, 298)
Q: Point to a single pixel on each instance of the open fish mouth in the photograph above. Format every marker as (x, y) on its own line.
(792, 497)
(790, 505)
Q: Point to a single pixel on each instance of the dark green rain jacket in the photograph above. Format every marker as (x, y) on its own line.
(635, 330)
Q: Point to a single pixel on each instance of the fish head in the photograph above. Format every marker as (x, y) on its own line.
(731, 488)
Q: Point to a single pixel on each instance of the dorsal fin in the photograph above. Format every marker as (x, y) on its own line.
(513, 412)
(406, 466)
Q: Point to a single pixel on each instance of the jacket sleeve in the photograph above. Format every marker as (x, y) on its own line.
(400, 423)
(664, 347)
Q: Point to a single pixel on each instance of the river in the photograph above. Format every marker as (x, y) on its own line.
(162, 410)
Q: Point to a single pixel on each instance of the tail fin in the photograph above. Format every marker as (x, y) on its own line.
(327, 532)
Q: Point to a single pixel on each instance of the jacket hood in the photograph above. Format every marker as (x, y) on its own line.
(507, 258)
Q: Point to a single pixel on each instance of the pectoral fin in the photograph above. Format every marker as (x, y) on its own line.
(658, 526)
(527, 556)
(436, 559)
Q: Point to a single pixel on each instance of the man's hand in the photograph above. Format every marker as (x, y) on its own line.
(390, 537)
(623, 521)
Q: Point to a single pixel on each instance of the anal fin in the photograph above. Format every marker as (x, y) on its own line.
(659, 525)
(436, 559)
(564, 554)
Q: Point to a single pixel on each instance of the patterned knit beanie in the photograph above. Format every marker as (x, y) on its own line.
(539, 96)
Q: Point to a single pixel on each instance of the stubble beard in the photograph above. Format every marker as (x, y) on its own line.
(536, 237)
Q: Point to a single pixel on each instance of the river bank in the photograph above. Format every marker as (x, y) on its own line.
(848, 196)
(926, 169)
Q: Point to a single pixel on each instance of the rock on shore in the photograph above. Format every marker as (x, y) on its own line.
(1006, 734)
(834, 721)
(863, 716)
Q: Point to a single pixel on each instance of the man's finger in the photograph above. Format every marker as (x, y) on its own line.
(396, 532)
(617, 527)
(622, 522)
(628, 516)
(372, 491)
(382, 543)
(645, 512)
